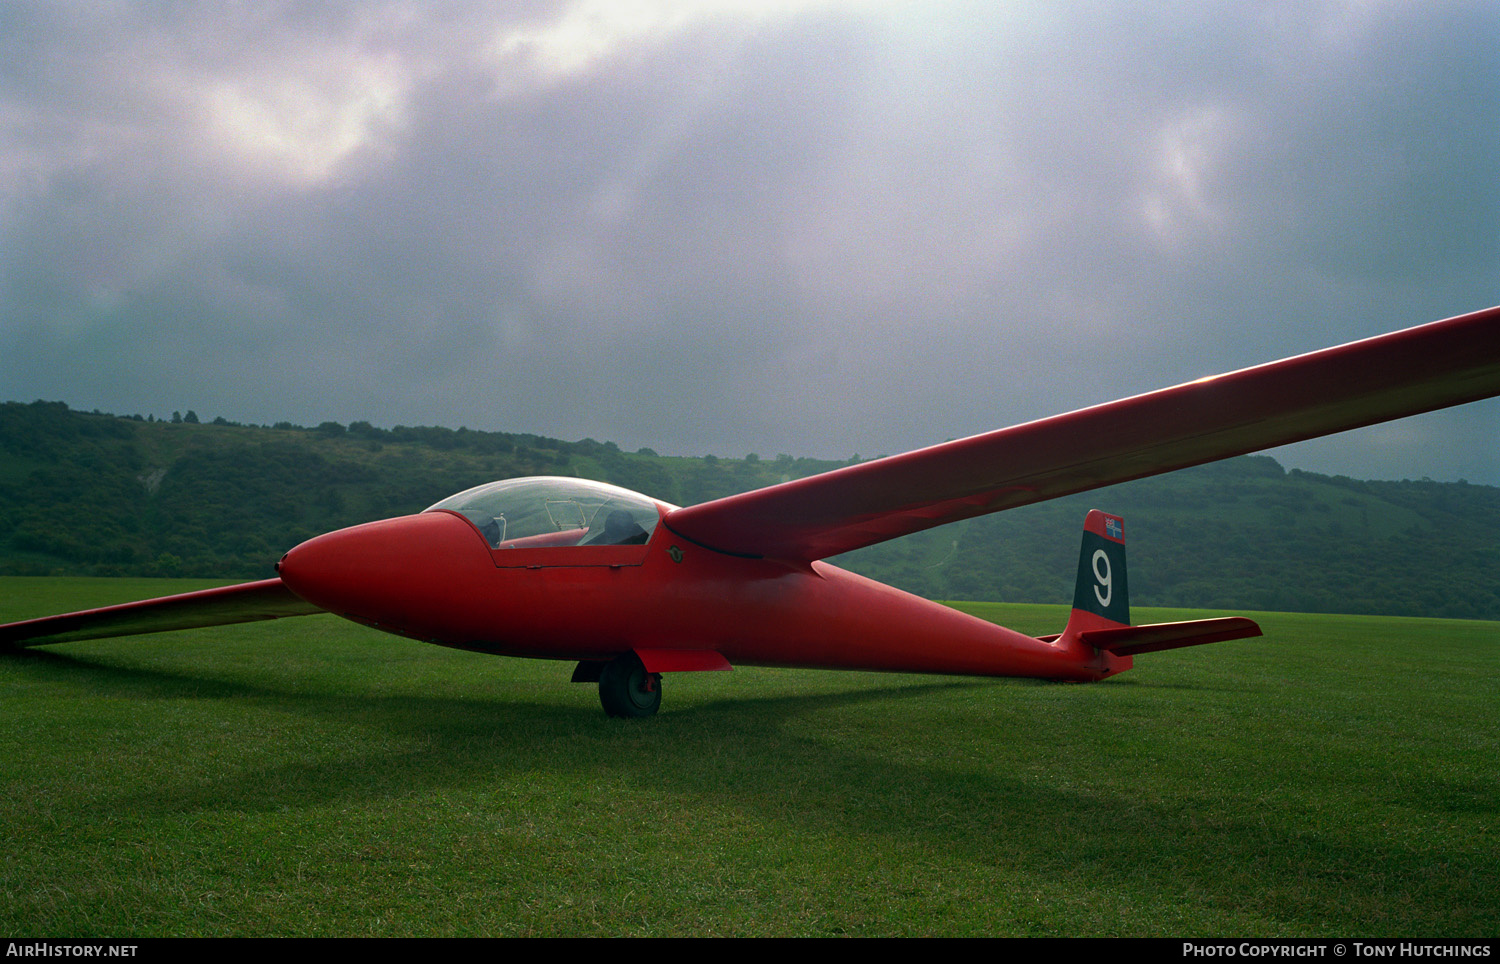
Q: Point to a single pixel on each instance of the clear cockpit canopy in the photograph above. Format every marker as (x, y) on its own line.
(548, 511)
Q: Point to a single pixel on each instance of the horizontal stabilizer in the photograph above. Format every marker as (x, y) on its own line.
(246, 602)
(1133, 640)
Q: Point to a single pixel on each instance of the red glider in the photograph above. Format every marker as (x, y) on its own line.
(630, 588)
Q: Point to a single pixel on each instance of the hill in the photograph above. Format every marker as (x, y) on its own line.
(96, 494)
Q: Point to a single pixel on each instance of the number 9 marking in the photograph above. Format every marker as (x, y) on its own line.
(1105, 578)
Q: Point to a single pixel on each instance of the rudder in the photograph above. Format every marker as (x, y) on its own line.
(1102, 589)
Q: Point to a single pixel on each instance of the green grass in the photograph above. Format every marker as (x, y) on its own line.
(311, 777)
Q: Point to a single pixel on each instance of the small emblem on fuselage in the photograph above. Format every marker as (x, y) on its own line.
(675, 553)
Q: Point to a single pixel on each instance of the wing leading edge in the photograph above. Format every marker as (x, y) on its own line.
(1391, 376)
(246, 602)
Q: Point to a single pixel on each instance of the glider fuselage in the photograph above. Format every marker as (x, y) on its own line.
(433, 577)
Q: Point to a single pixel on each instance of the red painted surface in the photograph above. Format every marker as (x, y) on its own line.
(246, 602)
(431, 577)
(1392, 376)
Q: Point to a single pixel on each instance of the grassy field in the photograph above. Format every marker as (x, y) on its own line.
(310, 777)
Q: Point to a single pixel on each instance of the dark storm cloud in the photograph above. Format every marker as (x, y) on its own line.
(818, 228)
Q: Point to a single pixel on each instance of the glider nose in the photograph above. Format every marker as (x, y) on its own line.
(400, 575)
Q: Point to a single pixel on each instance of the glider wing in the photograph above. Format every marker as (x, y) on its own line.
(246, 602)
(1387, 377)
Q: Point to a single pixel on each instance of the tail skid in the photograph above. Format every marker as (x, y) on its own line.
(1100, 618)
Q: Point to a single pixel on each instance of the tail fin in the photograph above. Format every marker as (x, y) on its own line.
(1101, 596)
(1101, 605)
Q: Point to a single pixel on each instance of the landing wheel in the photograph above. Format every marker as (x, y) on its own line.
(626, 689)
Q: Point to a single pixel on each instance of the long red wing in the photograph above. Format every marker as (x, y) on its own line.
(1391, 376)
(246, 602)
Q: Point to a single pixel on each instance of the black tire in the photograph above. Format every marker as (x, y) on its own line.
(627, 690)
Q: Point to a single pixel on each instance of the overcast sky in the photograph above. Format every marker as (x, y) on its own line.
(819, 228)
